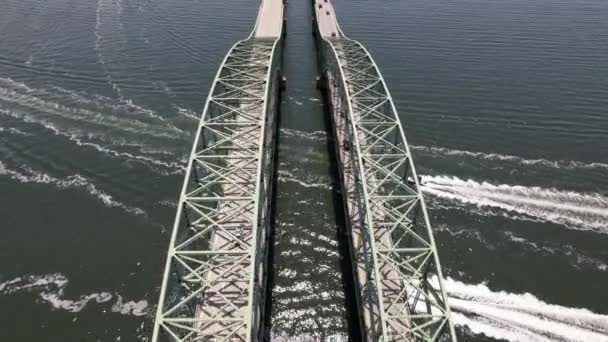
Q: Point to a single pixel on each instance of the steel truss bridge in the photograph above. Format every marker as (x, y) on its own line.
(214, 283)
(397, 271)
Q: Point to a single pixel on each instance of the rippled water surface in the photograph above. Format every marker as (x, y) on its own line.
(504, 103)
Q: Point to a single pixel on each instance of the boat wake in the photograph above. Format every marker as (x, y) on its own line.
(582, 211)
(442, 152)
(521, 317)
(577, 258)
(107, 113)
(314, 136)
(114, 129)
(176, 167)
(188, 113)
(74, 181)
(50, 289)
(572, 209)
(311, 182)
(13, 130)
(108, 18)
(558, 164)
(500, 315)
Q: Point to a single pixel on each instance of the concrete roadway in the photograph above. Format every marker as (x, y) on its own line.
(270, 19)
(326, 19)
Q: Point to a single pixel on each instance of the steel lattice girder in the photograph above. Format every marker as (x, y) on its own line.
(213, 287)
(402, 292)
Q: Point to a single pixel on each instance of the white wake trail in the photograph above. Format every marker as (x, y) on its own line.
(51, 288)
(104, 115)
(188, 113)
(85, 121)
(558, 164)
(314, 136)
(13, 130)
(115, 12)
(74, 181)
(587, 211)
(100, 101)
(286, 176)
(521, 317)
(177, 167)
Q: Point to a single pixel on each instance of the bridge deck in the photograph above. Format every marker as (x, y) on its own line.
(229, 279)
(215, 277)
(327, 23)
(270, 19)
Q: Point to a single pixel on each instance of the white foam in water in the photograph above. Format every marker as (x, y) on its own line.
(578, 257)
(12, 130)
(138, 308)
(488, 211)
(151, 150)
(75, 138)
(102, 115)
(9, 82)
(139, 109)
(315, 135)
(190, 114)
(29, 282)
(286, 176)
(22, 95)
(521, 317)
(74, 181)
(51, 287)
(168, 203)
(100, 13)
(567, 164)
(572, 209)
(105, 119)
(124, 105)
(58, 302)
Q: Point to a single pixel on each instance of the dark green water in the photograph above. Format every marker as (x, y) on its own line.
(505, 104)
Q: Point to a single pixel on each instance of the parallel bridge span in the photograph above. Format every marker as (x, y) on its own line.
(397, 273)
(214, 282)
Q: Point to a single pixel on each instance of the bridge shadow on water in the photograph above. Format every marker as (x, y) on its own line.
(341, 233)
(334, 207)
(273, 218)
(342, 236)
(340, 214)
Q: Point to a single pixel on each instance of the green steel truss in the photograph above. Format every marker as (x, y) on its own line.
(214, 283)
(401, 292)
